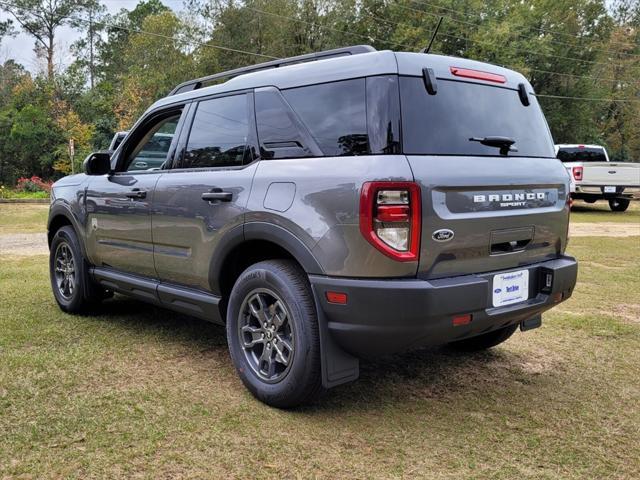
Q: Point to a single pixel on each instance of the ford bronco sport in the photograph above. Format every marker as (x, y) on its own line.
(325, 208)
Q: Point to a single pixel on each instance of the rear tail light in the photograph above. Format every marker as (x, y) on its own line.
(390, 218)
(577, 173)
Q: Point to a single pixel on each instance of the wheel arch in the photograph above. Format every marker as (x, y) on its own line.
(60, 216)
(251, 243)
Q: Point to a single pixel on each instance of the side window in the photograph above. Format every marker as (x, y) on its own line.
(279, 131)
(335, 114)
(383, 114)
(151, 151)
(219, 132)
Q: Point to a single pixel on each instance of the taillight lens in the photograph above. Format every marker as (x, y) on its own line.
(390, 218)
(577, 173)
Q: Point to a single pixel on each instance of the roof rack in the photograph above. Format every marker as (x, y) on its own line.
(309, 57)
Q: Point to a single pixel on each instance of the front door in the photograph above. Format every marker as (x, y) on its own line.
(204, 196)
(118, 204)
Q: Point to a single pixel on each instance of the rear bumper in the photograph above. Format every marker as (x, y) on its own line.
(387, 316)
(593, 191)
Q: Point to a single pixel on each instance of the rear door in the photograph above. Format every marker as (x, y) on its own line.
(485, 206)
(204, 193)
(118, 204)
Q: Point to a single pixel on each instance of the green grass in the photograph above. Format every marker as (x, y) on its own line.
(16, 194)
(600, 212)
(139, 391)
(23, 218)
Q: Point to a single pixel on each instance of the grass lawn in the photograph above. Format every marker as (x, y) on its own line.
(23, 218)
(600, 212)
(141, 392)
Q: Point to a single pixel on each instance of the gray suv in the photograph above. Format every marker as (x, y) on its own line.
(325, 208)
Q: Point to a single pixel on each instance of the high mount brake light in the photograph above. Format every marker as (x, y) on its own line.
(478, 75)
(577, 173)
(390, 218)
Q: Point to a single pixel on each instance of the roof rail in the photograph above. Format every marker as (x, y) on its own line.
(309, 57)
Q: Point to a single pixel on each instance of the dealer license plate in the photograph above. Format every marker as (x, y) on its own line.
(511, 287)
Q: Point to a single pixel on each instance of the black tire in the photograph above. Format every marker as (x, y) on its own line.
(618, 204)
(292, 326)
(484, 341)
(590, 200)
(83, 294)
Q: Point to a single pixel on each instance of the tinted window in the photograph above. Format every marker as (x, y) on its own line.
(335, 114)
(383, 114)
(218, 136)
(444, 123)
(152, 150)
(279, 131)
(585, 154)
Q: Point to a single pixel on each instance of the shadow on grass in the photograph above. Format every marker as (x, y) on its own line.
(439, 373)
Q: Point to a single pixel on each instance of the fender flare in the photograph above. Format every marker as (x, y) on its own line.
(260, 231)
(62, 209)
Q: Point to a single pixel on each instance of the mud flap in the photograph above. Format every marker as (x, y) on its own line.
(338, 366)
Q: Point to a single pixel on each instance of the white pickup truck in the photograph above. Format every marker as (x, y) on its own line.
(594, 177)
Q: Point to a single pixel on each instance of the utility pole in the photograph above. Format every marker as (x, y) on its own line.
(72, 153)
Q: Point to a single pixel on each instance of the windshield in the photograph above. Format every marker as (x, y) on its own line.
(581, 154)
(444, 123)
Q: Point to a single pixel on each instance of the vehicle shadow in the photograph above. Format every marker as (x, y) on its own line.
(432, 373)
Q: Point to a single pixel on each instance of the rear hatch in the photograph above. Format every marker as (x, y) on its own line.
(486, 205)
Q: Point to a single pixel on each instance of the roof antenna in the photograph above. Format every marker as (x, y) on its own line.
(433, 37)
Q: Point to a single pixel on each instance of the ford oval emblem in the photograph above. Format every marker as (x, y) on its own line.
(442, 235)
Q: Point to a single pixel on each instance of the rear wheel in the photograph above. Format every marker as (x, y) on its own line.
(590, 200)
(72, 288)
(484, 341)
(618, 204)
(272, 331)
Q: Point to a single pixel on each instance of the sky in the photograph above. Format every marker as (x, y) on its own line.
(20, 47)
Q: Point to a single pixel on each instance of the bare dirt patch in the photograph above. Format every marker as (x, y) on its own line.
(604, 229)
(24, 244)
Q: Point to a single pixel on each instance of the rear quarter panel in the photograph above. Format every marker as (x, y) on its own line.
(323, 211)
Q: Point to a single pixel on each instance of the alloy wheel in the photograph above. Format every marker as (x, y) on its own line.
(266, 335)
(65, 270)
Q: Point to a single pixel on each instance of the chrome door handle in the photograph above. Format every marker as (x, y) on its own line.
(217, 195)
(136, 193)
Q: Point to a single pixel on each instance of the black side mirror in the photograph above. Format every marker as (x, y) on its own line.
(98, 163)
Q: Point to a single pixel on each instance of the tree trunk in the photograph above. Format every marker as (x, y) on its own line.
(50, 57)
(91, 60)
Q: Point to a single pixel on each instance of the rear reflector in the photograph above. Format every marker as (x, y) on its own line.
(478, 75)
(337, 297)
(462, 320)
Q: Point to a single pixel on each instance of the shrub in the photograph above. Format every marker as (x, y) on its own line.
(33, 184)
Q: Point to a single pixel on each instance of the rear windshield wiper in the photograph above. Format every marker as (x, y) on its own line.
(505, 144)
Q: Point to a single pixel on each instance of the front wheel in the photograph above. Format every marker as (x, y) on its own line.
(72, 288)
(618, 204)
(484, 341)
(273, 337)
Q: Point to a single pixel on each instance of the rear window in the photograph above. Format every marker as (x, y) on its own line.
(442, 124)
(581, 154)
